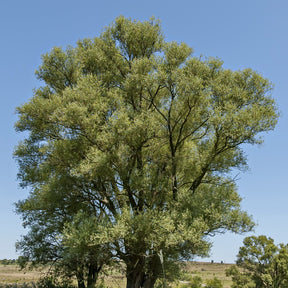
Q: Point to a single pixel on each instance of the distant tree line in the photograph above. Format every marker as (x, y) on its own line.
(8, 261)
(17, 261)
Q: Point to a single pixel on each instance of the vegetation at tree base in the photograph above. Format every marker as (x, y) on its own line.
(43, 283)
(191, 274)
(129, 151)
(262, 263)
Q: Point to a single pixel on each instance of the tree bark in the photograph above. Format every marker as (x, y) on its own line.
(149, 283)
(80, 279)
(92, 276)
(135, 278)
(139, 280)
(142, 272)
(135, 272)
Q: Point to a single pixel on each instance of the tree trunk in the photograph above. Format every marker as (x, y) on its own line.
(135, 279)
(148, 283)
(135, 267)
(138, 280)
(153, 271)
(92, 276)
(80, 279)
(138, 276)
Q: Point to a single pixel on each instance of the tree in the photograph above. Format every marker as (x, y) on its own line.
(239, 279)
(141, 136)
(263, 263)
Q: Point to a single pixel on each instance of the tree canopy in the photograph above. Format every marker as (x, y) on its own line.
(263, 264)
(131, 141)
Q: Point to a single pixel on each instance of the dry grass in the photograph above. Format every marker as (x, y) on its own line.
(209, 270)
(11, 274)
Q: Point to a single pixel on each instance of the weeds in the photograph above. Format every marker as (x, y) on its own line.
(42, 283)
(23, 285)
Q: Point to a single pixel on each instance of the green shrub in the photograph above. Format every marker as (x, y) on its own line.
(50, 282)
(193, 282)
(214, 283)
(24, 285)
(196, 282)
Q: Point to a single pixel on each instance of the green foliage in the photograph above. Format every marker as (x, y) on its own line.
(129, 152)
(195, 282)
(263, 263)
(190, 282)
(52, 282)
(214, 283)
(43, 283)
(8, 262)
(46, 282)
(239, 279)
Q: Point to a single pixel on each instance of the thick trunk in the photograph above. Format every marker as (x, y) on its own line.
(137, 274)
(135, 267)
(80, 279)
(92, 276)
(135, 278)
(138, 280)
(153, 271)
(149, 283)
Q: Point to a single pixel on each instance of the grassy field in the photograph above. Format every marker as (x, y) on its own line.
(11, 274)
(209, 271)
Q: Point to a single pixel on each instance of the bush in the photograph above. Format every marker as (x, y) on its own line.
(196, 282)
(24, 285)
(192, 282)
(43, 283)
(50, 282)
(214, 283)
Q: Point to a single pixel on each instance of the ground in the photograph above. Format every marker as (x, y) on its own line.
(11, 274)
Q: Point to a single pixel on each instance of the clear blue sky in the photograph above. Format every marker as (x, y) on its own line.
(247, 33)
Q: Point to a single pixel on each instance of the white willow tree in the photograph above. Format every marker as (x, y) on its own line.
(138, 136)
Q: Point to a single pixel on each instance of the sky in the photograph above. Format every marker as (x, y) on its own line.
(246, 33)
